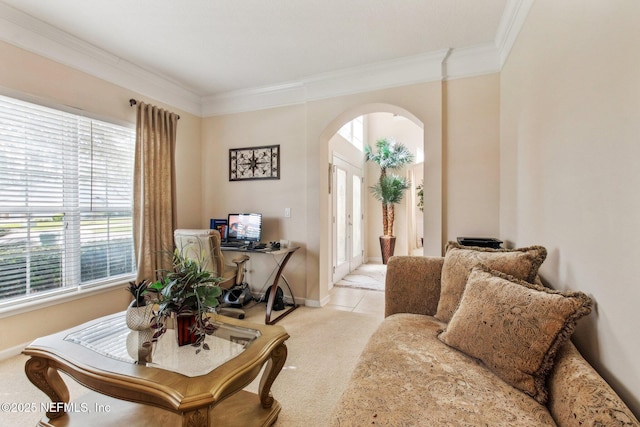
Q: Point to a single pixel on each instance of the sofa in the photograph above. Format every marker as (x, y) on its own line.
(474, 339)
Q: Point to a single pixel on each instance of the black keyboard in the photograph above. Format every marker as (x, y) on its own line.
(233, 244)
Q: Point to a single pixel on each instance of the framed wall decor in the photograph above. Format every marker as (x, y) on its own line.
(254, 163)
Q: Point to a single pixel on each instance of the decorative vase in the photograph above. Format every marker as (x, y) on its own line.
(139, 317)
(184, 330)
(139, 345)
(387, 247)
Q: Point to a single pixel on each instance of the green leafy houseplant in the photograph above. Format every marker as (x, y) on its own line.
(187, 290)
(140, 311)
(139, 292)
(389, 190)
(420, 191)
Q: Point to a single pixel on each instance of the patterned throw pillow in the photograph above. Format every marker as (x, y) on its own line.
(515, 328)
(521, 263)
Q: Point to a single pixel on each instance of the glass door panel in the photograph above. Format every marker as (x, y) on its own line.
(341, 216)
(357, 220)
(347, 218)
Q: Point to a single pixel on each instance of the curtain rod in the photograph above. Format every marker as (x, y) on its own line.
(133, 102)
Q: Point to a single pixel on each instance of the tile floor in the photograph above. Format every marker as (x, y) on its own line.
(356, 300)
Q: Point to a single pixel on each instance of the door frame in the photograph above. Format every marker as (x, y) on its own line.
(352, 261)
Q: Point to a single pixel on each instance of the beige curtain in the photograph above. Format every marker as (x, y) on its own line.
(154, 189)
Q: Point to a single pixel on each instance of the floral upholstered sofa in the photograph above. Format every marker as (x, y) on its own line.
(468, 340)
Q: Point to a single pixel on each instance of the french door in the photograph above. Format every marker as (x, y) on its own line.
(348, 215)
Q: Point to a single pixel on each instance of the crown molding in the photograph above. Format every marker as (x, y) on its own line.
(513, 18)
(383, 75)
(441, 65)
(434, 66)
(252, 99)
(26, 32)
(471, 61)
(33, 35)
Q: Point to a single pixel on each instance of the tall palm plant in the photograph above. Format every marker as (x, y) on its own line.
(389, 190)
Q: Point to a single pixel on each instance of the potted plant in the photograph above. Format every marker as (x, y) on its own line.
(188, 293)
(390, 155)
(420, 191)
(140, 311)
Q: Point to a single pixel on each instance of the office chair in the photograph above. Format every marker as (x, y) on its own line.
(205, 245)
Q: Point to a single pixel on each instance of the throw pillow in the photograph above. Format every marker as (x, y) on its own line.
(521, 263)
(514, 327)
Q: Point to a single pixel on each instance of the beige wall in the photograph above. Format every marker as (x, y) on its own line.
(278, 126)
(303, 132)
(570, 104)
(472, 153)
(27, 75)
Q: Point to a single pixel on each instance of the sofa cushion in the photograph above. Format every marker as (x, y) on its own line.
(521, 263)
(514, 327)
(407, 377)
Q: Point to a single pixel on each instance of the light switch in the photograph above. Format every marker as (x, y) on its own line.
(287, 212)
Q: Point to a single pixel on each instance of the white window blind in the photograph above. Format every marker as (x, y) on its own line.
(65, 201)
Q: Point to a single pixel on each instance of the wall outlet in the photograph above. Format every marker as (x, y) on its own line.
(287, 212)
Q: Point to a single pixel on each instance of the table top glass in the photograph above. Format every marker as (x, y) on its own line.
(112, 338)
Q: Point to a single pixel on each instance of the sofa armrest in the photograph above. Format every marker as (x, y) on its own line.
(413, 285)
(578, 395)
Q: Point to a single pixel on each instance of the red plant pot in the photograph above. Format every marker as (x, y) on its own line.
(184, 329)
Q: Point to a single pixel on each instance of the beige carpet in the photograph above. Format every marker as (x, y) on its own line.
(367, 276)
(323, 349)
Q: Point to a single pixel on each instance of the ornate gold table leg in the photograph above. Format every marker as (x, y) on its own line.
(196, 418)
(274, 366)
(47, 379)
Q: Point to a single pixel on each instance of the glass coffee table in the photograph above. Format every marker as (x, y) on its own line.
(175, 385)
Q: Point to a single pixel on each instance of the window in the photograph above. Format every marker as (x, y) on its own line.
(66, 191)
(354, 132)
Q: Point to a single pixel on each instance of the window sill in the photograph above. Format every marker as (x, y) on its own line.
(60, 297)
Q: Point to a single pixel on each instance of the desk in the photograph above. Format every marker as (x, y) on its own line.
(284, 254)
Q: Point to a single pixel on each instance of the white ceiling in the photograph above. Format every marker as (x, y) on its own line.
(208, 50)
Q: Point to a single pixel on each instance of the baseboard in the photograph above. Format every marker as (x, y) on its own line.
(317, 303)
(8, 353)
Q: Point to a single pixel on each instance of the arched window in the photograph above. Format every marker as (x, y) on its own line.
(353, 132)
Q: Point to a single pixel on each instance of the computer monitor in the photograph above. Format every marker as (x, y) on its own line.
(245, 228)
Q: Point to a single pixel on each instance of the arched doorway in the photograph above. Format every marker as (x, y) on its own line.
(348, 246)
